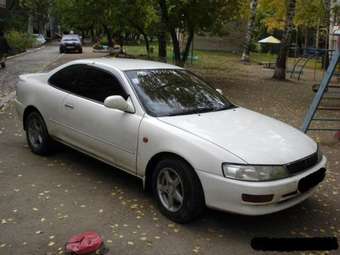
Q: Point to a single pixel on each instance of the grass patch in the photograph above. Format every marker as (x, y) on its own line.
(215, 59)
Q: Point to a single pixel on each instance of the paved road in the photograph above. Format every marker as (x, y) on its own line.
(27, 63)
(44, 200)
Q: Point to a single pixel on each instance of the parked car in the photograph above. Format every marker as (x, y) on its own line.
(39, 39)
(189, 144)
(70, 43)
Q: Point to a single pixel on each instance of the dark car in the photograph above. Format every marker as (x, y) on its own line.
(71, 43)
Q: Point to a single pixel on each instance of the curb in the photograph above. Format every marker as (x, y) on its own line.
(26, 52)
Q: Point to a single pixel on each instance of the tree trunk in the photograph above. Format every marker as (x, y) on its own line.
(328, 13)
(172, 30)
(306, 38)
(162, 51)
(317, 35)
(281, 62)
(108, 35)
(93, 39)
(145, 36)
(177, 48)
(187, 46)
(251, 26)
(162, 54)
(147, 44)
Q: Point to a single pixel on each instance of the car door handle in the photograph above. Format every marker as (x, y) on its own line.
(69, 106)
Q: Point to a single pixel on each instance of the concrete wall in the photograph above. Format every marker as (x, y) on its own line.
(232, 42)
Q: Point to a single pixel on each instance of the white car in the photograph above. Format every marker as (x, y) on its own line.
(39, 39)
(163, 124)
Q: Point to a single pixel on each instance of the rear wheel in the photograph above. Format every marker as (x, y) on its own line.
(178, 191)
(37, 135)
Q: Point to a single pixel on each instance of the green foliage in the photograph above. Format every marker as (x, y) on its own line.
(37, 8)
(273, 13)
(19, 41)
(309, 13)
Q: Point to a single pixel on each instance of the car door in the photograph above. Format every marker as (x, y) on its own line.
(59, 87)
(106, 133)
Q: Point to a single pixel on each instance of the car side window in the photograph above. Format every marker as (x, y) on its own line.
(88, 82)
(66, 78)
(97, 85)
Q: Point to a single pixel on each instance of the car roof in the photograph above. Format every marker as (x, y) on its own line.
(125, 64)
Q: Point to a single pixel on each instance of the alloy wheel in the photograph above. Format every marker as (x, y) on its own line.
(170, 189)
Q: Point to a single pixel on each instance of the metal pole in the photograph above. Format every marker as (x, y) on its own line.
(321, 91)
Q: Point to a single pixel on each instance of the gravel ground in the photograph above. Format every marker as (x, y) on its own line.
(45, 200)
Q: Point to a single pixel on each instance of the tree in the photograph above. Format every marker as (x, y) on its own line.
(141, 17)
(38, 10)
(250, 31)
(309, 16)
(281, 62)
(191, 16)
(328, 13)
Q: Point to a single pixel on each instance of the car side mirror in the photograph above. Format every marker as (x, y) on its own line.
(119, 103)
(220, 91)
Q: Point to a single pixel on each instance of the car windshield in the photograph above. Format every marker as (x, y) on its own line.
(70, 39)
(170, 92)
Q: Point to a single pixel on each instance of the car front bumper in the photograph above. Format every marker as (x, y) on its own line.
(226, 194)
(71, 47)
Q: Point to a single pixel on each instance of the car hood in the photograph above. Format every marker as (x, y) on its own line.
(255, 138)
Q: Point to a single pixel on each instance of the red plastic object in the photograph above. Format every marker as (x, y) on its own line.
(84, 243)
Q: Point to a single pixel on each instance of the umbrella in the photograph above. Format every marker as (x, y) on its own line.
(270, 39)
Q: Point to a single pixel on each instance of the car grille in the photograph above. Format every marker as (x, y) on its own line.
(303, 164)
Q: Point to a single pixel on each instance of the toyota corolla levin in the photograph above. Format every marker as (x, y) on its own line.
(189, 144)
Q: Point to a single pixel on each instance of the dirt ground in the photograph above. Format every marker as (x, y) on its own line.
(44, 200)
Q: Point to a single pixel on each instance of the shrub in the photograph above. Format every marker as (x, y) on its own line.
(19, 41)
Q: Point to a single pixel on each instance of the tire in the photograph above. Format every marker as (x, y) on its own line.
(37, 135)
(61, 51)
(185, 187)
(3, 64)
(81, 50)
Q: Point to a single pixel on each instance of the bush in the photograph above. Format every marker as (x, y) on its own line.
(19, 41)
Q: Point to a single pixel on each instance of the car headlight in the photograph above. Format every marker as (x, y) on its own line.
(254, 172)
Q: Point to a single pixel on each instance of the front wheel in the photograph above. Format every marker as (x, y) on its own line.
(37, 135)
(178, 191)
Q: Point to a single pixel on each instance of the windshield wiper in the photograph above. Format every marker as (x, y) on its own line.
(202, 110)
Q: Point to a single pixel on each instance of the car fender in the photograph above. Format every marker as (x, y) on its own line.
(157, 137)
